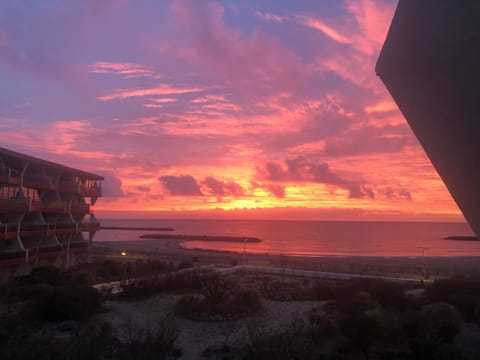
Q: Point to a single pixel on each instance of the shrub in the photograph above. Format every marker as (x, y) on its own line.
(40, 347)
(388, 294)
(48, 275)
(31, 292)
(441, 322)
(247, 300)
(157, 344)
(466, 304)
(142, 289)
(80, 278)
(281, 347)
(442, 289)
(70, 302)
(361, 329)
(191, 281)
(354, 303)
(324, 290)
(158, 265)
(91, 341)
(166, 335)
(323, 326)
(215, 288)
(189, 305)
(110, 269)
(240, 303)
(185, 265)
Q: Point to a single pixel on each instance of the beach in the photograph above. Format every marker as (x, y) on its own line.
(172, 250)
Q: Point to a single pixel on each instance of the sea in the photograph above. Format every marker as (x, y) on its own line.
(311, 238)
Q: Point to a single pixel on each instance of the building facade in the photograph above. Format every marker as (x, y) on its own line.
(429, 64)
(46, 214)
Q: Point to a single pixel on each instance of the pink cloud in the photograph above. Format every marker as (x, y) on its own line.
(373, 19)
(128, 70)
(162, 89)
(268, 16)
(327, 30)
(256, 60)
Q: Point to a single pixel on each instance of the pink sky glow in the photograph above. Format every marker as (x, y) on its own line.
(217, 108)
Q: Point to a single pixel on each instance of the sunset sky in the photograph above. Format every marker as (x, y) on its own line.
(267, 109)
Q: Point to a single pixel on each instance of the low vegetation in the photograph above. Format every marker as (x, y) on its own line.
(219, 299)
(54, 315)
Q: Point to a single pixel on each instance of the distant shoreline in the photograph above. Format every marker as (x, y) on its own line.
(461, 238)
(237, 239)
(136, 228)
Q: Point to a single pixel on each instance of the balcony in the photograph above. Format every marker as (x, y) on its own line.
(15, 205)
(80, 209)
(89, 227)
(69, 187)
(30, 255)
(61, 229)
(9, 176)
(54, 207)
(8, 231)
(39, 182)
(91, 191)
(34, 230)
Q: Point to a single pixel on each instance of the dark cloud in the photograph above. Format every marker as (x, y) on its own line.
(390, 193)
(178, 185)
(274, 189)
(143, 188)
(111, 186)
(301, 170)
(222, 188)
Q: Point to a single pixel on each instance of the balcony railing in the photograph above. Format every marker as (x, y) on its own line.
(28, 205)
(80, 209)
(11, 231)
(15, 205)
(39, 182)
(9, 176)
(8, 231)
(31, 255)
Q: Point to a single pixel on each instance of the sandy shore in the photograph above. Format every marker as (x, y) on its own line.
(171, 250)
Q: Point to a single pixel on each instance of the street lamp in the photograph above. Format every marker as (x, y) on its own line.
(125, 263)
(423, 260)
(245, 251)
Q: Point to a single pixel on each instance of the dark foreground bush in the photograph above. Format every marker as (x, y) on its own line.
(157, 344)
(362, 330)
(441, 322)
(70, 302)
(242, 302)
(29, 292)
(248, 300)
(281, 347)
(323, 327)
(91, 341)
